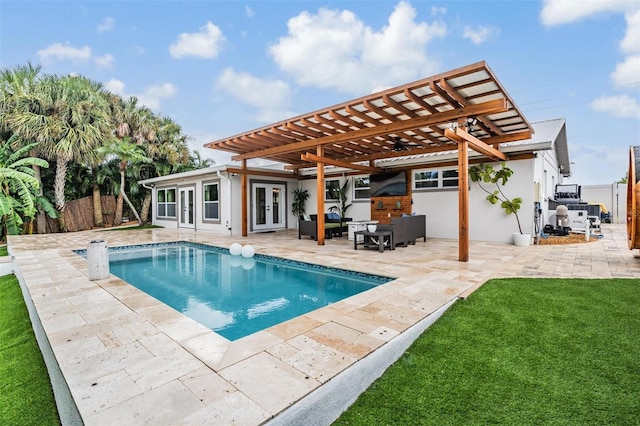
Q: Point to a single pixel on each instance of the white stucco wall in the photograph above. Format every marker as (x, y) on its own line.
(487, 222)
(230, 201)
(533, 180)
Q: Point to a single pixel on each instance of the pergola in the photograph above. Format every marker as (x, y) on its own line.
(466, 108)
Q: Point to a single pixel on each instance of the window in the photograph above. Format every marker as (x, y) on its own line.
(450, 178)
(435, 179)
(166, 203)
(211, 201)
(361, 188)
(428, 179)
(331, 186)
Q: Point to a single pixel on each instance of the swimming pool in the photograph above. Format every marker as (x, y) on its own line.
(232, 295)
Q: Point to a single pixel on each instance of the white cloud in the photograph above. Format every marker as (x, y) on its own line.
(151, 97)
(631, 41)
(622, 106)
(480, 34)
(104, 61)
(335, 49)
(61, 52)
(271, 97)
(250, 13)
(558, 12)
(206, 43)
(627, 73)
(106, 24)
(115, 86)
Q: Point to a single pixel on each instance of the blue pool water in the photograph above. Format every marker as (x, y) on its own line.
(232, 295)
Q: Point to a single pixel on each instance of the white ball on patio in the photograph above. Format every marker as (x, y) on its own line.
(248, 251)
(235, 249)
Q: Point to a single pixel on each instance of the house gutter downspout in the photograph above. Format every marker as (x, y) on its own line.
(229, 204)
(151, 188)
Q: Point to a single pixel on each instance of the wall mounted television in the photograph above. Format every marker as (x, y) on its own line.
(388, 184)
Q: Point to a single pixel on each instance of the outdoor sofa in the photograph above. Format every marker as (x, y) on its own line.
(406, 229)
(308, 226)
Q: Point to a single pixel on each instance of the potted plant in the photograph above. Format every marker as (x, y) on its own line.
(485, 173)
(300, 196)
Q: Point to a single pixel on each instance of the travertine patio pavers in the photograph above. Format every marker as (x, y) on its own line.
(130, 359)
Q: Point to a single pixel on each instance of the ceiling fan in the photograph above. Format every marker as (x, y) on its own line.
(400, 145)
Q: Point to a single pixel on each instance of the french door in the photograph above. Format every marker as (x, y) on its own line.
(268, 205)
(186, 215)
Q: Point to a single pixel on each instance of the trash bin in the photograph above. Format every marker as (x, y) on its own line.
(98, 260)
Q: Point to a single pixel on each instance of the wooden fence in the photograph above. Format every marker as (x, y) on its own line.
(78, 214)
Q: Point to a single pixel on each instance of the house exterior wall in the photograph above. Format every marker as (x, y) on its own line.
(487, 222)
(532, 180)
(230, 201)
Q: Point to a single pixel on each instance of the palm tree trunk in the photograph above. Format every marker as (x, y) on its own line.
(146, 206)
(41, 220)
(97, 206)
(120, 202)
(117, 220)
(58, 189)
(133, 209)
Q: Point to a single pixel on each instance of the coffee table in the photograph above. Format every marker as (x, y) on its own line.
(379, 239)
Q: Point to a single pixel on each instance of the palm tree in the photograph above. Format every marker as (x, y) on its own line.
(128, 154)
(16, 90)
(69, 117)
(19, 187)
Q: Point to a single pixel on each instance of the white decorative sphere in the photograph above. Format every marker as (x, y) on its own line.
(235, 249)
(248, 251)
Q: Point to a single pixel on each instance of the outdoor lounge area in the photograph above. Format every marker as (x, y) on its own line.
(126, 356)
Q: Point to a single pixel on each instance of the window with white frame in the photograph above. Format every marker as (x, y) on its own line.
(211, 201)
(166, 205)
(331, 186)
(361, 189)
(435, 179)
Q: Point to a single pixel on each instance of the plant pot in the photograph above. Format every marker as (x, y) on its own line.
(522, 240)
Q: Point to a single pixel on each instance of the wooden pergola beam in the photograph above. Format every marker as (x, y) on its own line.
(324, 160)
(490, 107)
(475, 144)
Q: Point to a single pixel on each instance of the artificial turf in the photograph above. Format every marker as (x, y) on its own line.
(26, 397)
(519, 351)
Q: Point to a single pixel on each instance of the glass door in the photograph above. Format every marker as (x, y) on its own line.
(187, 202)
(268, 206)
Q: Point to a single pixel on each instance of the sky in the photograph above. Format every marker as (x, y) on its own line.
(219, 68)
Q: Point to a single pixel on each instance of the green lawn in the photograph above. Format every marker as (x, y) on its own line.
(26, 397)
(519, 352)
(4, 251)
